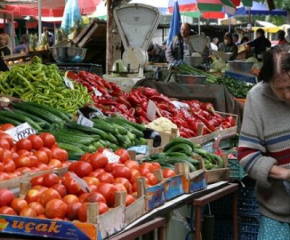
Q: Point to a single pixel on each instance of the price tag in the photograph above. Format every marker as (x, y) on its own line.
(68, 83)
(82, 183)
(112, 157)
(82, 120)
(97, 113)
(22, 131)
(180, 105)
(97, 93)
(151, 110)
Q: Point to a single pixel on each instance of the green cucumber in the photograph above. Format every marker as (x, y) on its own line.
(119, 120)
(70, 147)
(181, 147)
(103, 125)
(9, 120)
(178, 140)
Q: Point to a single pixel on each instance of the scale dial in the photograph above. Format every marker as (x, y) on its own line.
(136, 57)
(137, 24)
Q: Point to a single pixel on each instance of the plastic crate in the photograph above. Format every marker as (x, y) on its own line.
(249, 227)
(237, 171)
(223, 229)
(247, 202)
(222, 206)
(245, 77)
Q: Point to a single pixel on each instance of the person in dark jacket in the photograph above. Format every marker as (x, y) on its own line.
(4, 41)
(261, 43)
(156, 54)
(178, 48)
(229, 46)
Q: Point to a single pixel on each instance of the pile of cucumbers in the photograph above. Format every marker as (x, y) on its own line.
(181, 150)
(111, 132)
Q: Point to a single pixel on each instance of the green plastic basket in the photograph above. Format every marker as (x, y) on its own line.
(237, 172)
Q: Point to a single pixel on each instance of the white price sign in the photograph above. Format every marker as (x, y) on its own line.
(82, 183)
(180, 105)
(112, 157)
(151, 110)
(97, 92)
(82, 120)
(68, 83)
(22, 131)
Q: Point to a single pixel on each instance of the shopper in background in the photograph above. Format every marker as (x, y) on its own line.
(156, 54)
(282, 43)
(49, 35)
(178, 48)
(214, 44)
(264, 144)
(23, 44)
(4, 41)
(235, 38)
(229, 46)
(261, 43)
(244, 39)
(288, 35)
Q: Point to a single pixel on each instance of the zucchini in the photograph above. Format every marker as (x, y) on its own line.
(54, 111)
(178, 140)
(140, 127)
(125, 123)
(105, 126)
(75, 156)
(70, 148)
(21, 118)
(73, 132)
(181, 147)
(9, 120)
(46, 115)
(38, 120)
(119, 128)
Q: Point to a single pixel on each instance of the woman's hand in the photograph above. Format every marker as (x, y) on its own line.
(279, 173)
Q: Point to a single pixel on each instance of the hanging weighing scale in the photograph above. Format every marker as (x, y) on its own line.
(136, 24)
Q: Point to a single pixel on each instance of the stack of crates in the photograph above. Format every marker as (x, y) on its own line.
(248, 214)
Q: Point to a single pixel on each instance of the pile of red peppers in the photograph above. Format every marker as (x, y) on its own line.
(110, 99)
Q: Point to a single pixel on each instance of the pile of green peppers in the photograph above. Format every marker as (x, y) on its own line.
(44, 84)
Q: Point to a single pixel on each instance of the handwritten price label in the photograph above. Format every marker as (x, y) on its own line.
(68, 83)
(97, 92)
(22, 131)
(112, 158)
(82, 120)
(151, 110)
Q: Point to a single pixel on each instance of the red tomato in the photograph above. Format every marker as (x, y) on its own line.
(108, 191)
(135, 175)
(106, 177)
(7, 137)
(38, 180)
(48, 152)
(59, 154)
(60, 188)
(147, 165)
(33, 161)
(144, 171)
(32, 195)
(37, 207)
(122, 171)
(27, 212)
(70, 198)
(95, 197)
(152, 179)
(156, 166)
(1, 167)
(40, 188)
(36, 141)
(72, 187)
(41, 156)
(98, 160)
(129, 200)
(83, 169)
(91, 180)
(42, 166)
(9, 165)
(82, 212)
(125, 182)
(103, 207)
(7, 154)
(85, 157)
(120, 187)
(22, 161)
(71, 167)
(17, 204)
(48, 195)
(132, 164)
(6, 126)
(167, 172)
(101, 149)
(23, 152)
(109, 167)
(96, 173)
(55, 208)
(6, 197)
(7, 211)
(4, 176)
(50, 179)
(72, 210)
(1, 154)
(4, 144)
(83, 196)
(54, 163)
(42, 216)
(48, 139)
(24, 143)
(124, 155)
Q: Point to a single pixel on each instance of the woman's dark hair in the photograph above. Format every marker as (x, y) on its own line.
(24, 39)
(228, 36)
(275, 62)
(261, 31)
(281, 34)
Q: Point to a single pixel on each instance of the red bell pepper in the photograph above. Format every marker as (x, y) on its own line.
(150, 92)
(134, 99)
(165, 114)
(144, 120)
(163, 106)
(131, 113)
(107, 102)
(115, 87)
(188, 131)
(195, 104)
(231, 120)
(122, 107)
(161, 99)
(122, 100)
(184, 134)
(140, 112)
(207, 107)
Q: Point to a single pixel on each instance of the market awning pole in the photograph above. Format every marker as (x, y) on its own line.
(198, 25)
(39, 20)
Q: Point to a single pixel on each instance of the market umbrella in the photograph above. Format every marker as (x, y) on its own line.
(175, 23)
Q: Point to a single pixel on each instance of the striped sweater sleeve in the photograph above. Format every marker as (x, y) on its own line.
(251, 150)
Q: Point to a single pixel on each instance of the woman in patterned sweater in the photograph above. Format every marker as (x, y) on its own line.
(264, 146)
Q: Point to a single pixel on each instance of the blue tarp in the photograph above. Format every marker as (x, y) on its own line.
(259, 9)
(175, 23)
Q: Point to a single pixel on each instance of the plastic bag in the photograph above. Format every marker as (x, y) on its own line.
(71, 14)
